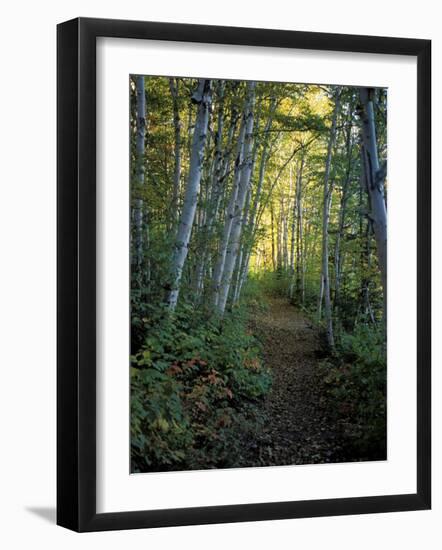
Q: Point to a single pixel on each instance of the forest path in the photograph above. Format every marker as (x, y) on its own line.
(296, 428)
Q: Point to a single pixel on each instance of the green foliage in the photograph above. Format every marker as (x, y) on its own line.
(195, 384)
(252, 295)
(159, 428)
(356, 382)
(273, 283)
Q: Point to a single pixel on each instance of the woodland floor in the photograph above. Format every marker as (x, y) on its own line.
(296, 427)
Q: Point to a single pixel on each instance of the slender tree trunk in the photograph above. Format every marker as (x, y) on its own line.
(279, 241)
(328, 188)
(220, 263)
(285, 237)
(293, 224)
(173, 84)
(339, 237)
(214, 194)
(272, 227)
(240, 264)
(303, 246)
(295, 230)
(225, 164)
(139, 176)
(252, 217)
(342, 214)
(202, 98)
(299, 231)
(375, 176)
(320, 296)
(238, 220)
(236, 286)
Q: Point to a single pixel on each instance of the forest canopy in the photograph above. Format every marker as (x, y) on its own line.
(243, 193)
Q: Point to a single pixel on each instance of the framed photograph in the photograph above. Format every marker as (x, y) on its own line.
(233, 204)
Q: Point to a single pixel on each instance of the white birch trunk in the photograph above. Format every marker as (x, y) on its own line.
(139, 176)
(328, 188)
(219, 267)
(173, 84)
(296, 233)
(236, 287)
(285, 236)
(292, 231)
(252, 218)
(213, 200)
(202, 98)
(238, 219)
(375, 176)
(299, 231)
(342, 214)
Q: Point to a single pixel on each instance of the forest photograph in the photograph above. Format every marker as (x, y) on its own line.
(258, 258)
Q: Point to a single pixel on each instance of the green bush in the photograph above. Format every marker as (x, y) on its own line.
(357, 385)
(194, 383)
(252, 296)
(273, 283)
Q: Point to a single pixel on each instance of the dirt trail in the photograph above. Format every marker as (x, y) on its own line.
(296, 428)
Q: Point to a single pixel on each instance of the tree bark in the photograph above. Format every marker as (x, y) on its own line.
(139, 163)
(292, 228)
(328, 188)
(343, 210)
(375, 176)
(252, 217)
(173, 85)
(238, 219)
(202, 97)
(272, 227)
(220, 263)
(219, 164)
(299, 230)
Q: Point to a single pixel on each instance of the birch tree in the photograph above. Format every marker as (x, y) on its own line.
(343, 210)
(202, 98)
(297, 235)
(244, 182)
(220, 263)
(375, 176)
(139, 168)
(215, 187)
(327, 197)
(252, 211)
(174, 90)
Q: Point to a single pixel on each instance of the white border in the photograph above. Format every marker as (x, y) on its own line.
(116, 489)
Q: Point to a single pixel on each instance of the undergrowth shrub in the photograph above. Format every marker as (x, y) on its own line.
(356, 380)
(252, 296)
(272, 283)
(195, 383)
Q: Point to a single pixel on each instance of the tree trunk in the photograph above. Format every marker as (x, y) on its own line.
(214, 194)
(272, 227)
(252, 218)
(292, 228)
(238, 220)
(220, 263)
(299, 230)
(202, 98)
(173, 84)
(375, 176)
(139, 163)
(285, 236)
(342, 213)
(236, 286)
(328, 188)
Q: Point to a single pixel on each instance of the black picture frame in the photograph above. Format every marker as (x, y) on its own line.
(76, 274)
